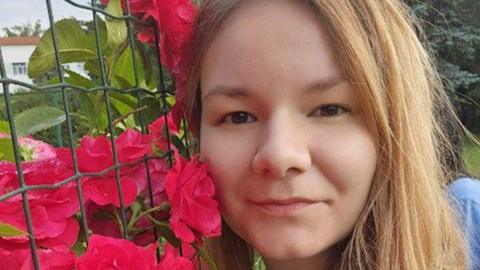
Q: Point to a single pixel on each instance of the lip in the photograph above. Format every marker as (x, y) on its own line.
(283, 207)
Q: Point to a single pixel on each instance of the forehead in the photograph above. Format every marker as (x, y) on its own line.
(269, 45)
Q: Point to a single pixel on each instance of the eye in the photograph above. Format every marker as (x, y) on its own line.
(330, 110)
(237, 118)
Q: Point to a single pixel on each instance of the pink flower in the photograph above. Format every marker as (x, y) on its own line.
(39, 149)
(95, 155)
(103, 190)
(157, 169)
(47, 171)
(174, 19)
(52, 210)
(52, 213)
(101, 221)
(34, 149)
(190, 192)
(110, 253)
(158, 134)
(171, 259)
(50, 259)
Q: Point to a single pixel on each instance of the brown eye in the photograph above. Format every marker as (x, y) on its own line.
(238, 118)
(330, 110)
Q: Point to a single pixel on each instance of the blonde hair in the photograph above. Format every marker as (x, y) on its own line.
(407, 222)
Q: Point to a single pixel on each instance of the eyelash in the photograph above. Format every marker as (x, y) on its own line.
(343, 108)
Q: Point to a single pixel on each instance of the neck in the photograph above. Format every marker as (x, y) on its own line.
(321, 261)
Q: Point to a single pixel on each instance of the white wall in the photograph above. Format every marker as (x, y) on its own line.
(16, 54)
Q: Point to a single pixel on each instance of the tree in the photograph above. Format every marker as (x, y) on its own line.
(452, 28)
(25, 30)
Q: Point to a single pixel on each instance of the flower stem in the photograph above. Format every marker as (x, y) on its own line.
(135, 218)
(205, 257)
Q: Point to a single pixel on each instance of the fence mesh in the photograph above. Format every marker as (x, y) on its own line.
(60, 93)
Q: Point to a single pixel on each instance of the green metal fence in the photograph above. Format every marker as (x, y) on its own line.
(62, 90)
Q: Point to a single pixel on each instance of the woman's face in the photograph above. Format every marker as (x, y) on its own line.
(282, 132)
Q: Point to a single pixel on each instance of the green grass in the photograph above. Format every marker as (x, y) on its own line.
(471, 154)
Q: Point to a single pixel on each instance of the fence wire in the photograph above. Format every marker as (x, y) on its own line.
(63, 88)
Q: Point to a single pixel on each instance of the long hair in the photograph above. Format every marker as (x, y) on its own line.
(407, 222)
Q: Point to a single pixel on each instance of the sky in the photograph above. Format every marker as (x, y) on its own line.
(18, 12)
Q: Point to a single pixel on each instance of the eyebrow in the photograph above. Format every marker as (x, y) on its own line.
(313, 87)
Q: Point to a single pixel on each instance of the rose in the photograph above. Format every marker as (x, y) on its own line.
(158, 134)
(35, 150)
(52, 214)
(49, 259)
(171, 259)
(51, 210)
(157, 169)
(32, 149)
(101, 221)
(103, 190)
(95, 155)
(175, 19)
(37, 172)
(190, 192)
(111, 253)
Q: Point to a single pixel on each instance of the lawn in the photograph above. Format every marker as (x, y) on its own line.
(471, 154)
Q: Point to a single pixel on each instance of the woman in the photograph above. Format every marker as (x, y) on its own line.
(316, 120)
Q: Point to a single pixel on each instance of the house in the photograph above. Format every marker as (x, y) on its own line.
(16, 51)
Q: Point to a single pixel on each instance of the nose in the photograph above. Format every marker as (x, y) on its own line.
(282, 149)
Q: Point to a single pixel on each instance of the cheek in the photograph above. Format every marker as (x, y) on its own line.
(347, 160)
(228, 163)
(347, 157)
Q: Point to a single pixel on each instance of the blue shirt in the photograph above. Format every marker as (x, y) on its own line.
(465, 194)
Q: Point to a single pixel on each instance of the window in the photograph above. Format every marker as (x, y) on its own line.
(19, 68)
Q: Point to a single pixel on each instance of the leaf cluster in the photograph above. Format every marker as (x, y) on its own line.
(452, 29)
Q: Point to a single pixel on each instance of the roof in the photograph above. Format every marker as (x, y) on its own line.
(19, 40)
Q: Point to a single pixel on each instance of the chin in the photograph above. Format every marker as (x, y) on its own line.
(288, 250)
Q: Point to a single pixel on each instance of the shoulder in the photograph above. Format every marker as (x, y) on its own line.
(464, 194)
(465, 189)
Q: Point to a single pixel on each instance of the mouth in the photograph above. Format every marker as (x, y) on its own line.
(283, 208)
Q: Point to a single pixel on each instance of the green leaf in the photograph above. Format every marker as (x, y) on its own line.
(38, 118)
(72, 46)
(121, 107)
(177, 143)
(116, 28)
(170, 100)
(77, 79)
(124, 104)
(9, 230)
(6, 150)
(4, 127)
(153, 111)
(92, 107)
(123, 69)
(92, 67)
(128, 99)
(102, 37)
(151, 65)
(79, 248)
(53, 80)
